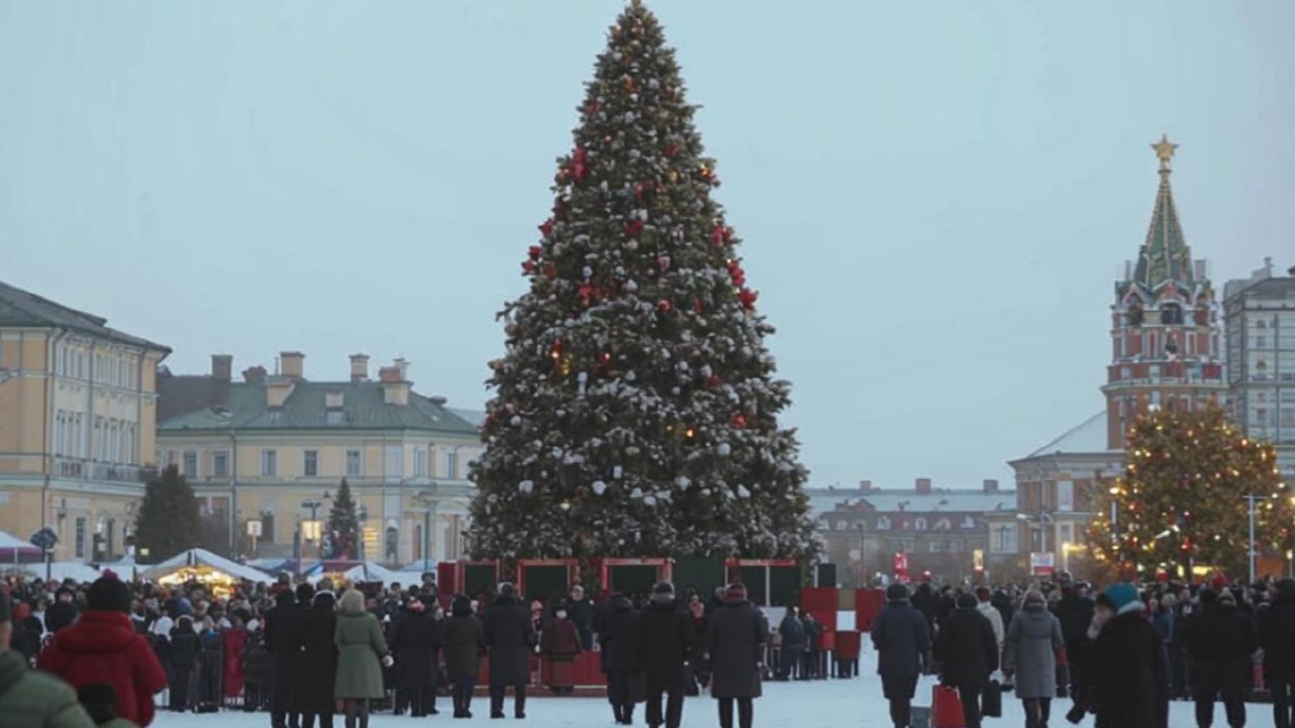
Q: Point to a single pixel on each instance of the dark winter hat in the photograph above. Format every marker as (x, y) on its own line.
(1227, 598)
(305, 593)
(461, 606)
(1124, 597)
(1286, 588)
(663, 587)
(108, 594)
(506, 589)
(1209, 596)
(896, 592)
(966, 601)
(735, 592)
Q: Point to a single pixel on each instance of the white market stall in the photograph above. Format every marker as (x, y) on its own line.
(58, 571)
(217, 573)
(14, 550)
(363, 573)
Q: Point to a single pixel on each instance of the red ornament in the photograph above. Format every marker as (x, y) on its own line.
(578, 168)
(587, 294)
(605, 360)
(697, 306)
(591, 108)
(714, 381)
(640, 189)
(663, 262)
(671, 150)
(528, 266)
(747, 297)
(535, 252)
(547, 227)
(663, 306)
(721, 235)
(739, 420)
(633, 227)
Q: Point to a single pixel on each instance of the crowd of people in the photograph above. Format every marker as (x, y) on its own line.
(1120, 655)
(110, 653)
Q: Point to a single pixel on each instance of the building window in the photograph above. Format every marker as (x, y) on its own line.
(220, 464)
(354, 463)
(1065, 496)
(335, 417)
(420, 462)
(269, 462)
(452, 464)
(80, 538)
(310, 466)
(190, 464)
(173, 458)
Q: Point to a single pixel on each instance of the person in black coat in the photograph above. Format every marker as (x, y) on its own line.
(581, 612)
(183, 656)
(902, 638)
(968, 652)
(1075, 612)
(283, 642)
(620, 659)
(416, 641)
(1127, 683)
(510, 636)
(464, 641)
(319, 661)
(664, 641)
(1220, 641)
(794, 645)
(1277, 638)
(62, 612)
(735, 639)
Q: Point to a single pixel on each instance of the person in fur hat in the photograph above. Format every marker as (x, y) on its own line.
(734, 645)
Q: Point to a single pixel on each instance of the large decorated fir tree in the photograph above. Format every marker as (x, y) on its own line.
(168, 522)
(1182, 501)
(636, 410)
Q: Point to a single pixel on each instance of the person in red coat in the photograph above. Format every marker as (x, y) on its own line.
(103, 647)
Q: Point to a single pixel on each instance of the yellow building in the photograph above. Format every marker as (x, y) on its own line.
(77, 422)
(265, 454)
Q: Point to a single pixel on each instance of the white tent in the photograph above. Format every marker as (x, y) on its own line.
(58, 571)
(202, 557)
(369, 571)
(12, 547)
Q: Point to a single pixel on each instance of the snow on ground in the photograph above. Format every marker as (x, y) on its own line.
(830, 704)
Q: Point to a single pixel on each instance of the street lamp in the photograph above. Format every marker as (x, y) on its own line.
(362, 515)
(428, 499)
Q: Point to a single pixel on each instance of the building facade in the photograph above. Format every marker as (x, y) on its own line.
(78, 409)
(266, 454)
(1259, 326)
(947, 532)
(1165, 353)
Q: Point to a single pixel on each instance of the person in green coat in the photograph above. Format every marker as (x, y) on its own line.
(30, 699)
(361, 655)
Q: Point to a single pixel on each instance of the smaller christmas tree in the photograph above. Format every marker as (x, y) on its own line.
(343, 524)
(168, 521)
(1183, 501)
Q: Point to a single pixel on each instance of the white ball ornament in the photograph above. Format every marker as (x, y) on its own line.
(587, 271)
(526, 486)
(599, 487)
(617, 472)
(516, 421)
(742, 492)
(650, 500)
(724, 449)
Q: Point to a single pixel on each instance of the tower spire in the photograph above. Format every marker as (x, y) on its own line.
(1165, 257)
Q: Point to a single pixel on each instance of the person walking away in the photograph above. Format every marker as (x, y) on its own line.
(509, 637)
(735, 637)
(793, 645)
(560, 644)
(1030, 655)
(968, 654)
(664, 641)
(414, 644)
(31, 699)
(1075, 610)
(319, 661)
(1277, 638)
(812, 654)
(183, 658)
(361, 655)
(985, 606)
(1220, 641)
(100, 702)
(697, 613)
(63, 612)
(465, 640)
(102, 647)
(1126, 673)
(901, 636)
(282, 640)
(619, 658)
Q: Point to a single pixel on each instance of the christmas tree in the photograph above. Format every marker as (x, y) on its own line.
(343, 526)
(168, 521)
(636, 410)
(1182, 501)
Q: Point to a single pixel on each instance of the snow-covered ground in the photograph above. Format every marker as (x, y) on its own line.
(830, 704)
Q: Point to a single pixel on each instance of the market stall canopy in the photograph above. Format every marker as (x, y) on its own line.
(197, 558)
(62, 571)
(365, 572)
(14, 550)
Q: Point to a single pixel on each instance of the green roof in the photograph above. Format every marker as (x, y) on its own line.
(1165, 256)
(23, 309)
(363, 408)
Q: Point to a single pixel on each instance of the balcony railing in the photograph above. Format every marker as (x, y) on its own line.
(78, 468)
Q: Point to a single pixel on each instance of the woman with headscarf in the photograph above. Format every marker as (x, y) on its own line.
(361, 655)
(1031, 650)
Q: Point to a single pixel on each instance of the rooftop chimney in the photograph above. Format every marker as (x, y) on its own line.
(359, 368)
(923, 486)
(254, 375)
(991, 486)
(395, 388)
(292, 364)
(865, 486)
(222, 367)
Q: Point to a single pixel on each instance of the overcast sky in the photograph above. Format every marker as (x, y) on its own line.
(936, 198)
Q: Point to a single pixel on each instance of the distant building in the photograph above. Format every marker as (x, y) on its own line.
(77, 416)
(261, 451)
(937, 529)
(1259, 326)
(1165, 354)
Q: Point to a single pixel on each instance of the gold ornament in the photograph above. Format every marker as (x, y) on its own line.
(672, 175)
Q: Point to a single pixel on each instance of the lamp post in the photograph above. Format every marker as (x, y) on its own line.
(313, 505)
(1252, 553)
(428, 499)
(362, 515)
